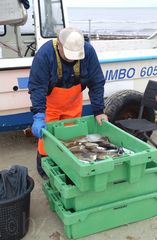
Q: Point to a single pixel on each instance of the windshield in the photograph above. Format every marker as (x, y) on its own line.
(51, 17)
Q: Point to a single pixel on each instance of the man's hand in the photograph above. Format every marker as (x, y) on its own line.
(38, 124)
(101, 117)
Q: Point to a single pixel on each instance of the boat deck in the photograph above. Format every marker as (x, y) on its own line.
(16, 148)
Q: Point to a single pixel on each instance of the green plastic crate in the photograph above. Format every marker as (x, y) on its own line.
(73, 198)
(96, 175)
(83, 223)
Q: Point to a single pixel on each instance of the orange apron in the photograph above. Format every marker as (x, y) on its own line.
(62, 104)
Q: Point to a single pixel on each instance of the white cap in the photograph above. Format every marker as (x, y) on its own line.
(72, 41)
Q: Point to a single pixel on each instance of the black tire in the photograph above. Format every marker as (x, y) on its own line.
(126, 104)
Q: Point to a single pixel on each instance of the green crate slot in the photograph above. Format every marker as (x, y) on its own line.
(96, 175)
(73, 198)
(90, 221)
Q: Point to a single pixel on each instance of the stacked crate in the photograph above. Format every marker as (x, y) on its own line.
(96, 196)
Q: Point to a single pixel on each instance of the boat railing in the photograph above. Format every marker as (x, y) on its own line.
(110, 29)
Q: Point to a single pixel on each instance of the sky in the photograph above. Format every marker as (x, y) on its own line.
(111, 3)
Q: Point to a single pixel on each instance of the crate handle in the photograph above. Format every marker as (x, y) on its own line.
(60, 148)
(122, 206)
(69, 124)
(151, 170)
(119, 181)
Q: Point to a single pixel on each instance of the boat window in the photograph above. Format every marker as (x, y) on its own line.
(17, 38)
(2, 30)
(51, 16)
(28, 27)
(111, 23)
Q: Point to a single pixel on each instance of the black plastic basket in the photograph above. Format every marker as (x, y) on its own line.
(14, 215)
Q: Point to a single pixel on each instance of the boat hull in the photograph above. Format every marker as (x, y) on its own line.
(15, 100)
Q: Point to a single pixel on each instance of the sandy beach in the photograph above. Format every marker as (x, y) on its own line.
(16, 148)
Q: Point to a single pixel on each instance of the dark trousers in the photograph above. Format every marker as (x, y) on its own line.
(39, 167)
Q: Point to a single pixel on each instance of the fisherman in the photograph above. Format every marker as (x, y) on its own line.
(61, 70)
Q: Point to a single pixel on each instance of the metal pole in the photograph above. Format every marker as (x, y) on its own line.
(89, 31)
(18, 40)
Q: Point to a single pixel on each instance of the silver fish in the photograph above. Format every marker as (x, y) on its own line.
(86, 156)
(94, 137)
(76, 149)
(69, 144)
(93, 147)
(101, 150)
(90, 145)
(91, 138)
(101, 156)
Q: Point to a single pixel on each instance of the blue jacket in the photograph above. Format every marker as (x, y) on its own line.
(43, 77)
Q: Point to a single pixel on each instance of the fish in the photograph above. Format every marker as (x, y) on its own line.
(101, 150)
(69, 144)
(121, 151)
(74, 141)
(75, 149)
(107, 145)
(90, 145)
(101, 156)
(86, 156)
(93, 147)
(93, 138)
(89, 138)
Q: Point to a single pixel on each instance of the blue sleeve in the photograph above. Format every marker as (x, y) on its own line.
(40, 78)
(96, 82)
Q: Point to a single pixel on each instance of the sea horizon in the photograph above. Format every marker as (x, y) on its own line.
(114, 21)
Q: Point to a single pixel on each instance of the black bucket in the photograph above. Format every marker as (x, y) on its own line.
(14, 215)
